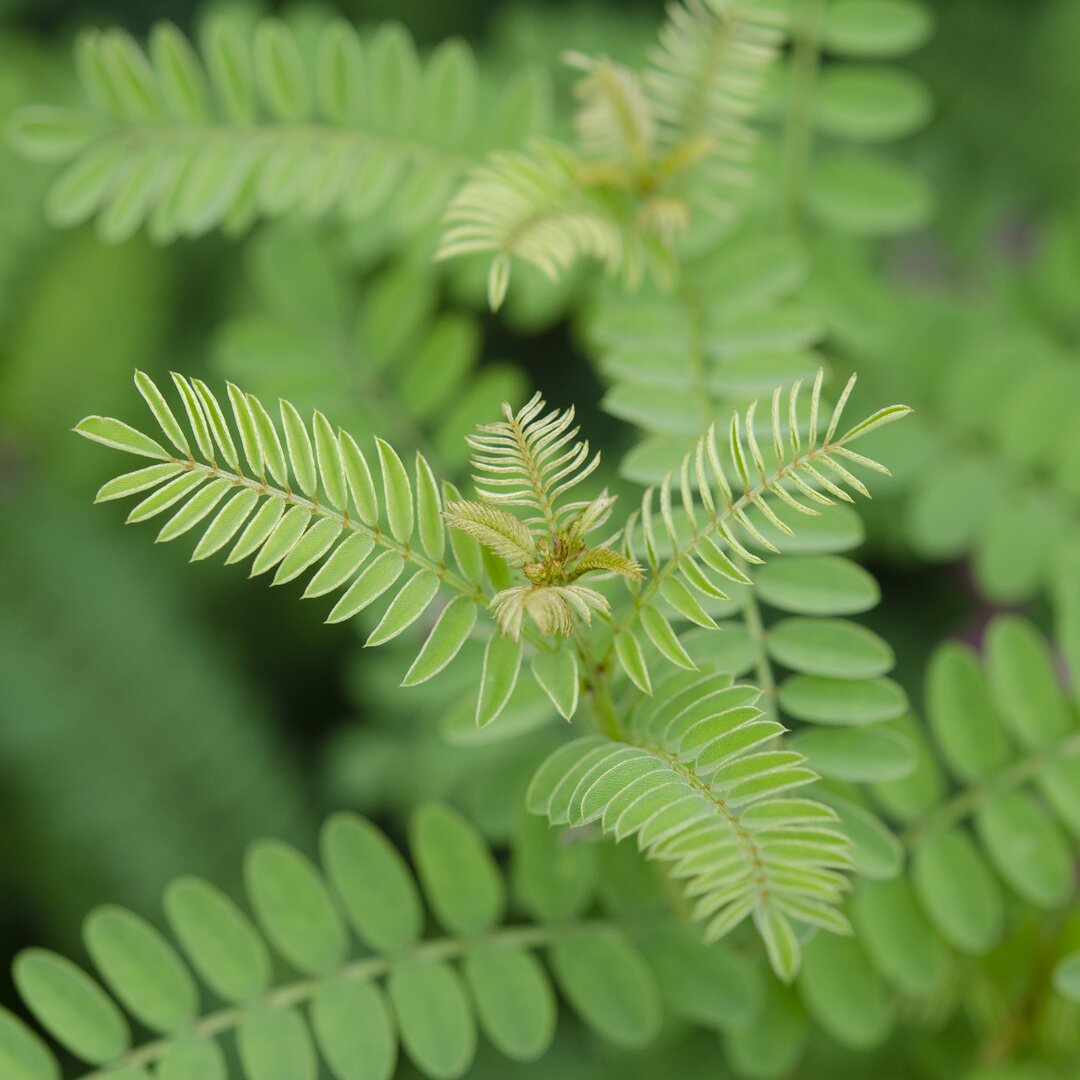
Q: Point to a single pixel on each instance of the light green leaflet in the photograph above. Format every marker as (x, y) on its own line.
(451, 631)
(373, 881)
(309, 506)
(436, 1024)
(141, 968)
(354, 1028)
(844, 994)
(71, 1006)
(275, 1044)
(23, 1056)
(502, 663)
(294, 908)
(218, 938)
(194, 1058)
(557, 673)
(609, 985)
(514, 1000)
(459, 876)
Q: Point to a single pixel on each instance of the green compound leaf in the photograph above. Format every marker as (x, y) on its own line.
(141, 968)
(220, 941)
(434, 1017)
(71, 1006)
(373, 881)
(294, 908)
(514, 1000)
(459, 876)
(609, 986)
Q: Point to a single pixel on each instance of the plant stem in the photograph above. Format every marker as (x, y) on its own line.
(966, 802)
(755, 627)
(799, 136)
(605, 707)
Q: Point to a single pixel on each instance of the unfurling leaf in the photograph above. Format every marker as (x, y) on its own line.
(495, 528)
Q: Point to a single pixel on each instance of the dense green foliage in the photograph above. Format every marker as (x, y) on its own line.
(650, 797)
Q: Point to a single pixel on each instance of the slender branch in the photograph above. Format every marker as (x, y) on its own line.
(755, 627)
(598, 687)
(805, 60)
(966, 802)
(260, 135)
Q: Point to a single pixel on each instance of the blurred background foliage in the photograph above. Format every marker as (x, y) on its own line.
(115, 778)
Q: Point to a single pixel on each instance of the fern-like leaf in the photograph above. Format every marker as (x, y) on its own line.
(649, 145)
(707, 73)
(183, 140)
(307, 500)
(705, 542)
(532, 458)
(495, 528)
(349, 1010)
(531, 205)
(700, 784)
(615, 120)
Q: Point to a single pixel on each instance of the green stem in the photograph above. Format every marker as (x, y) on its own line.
(695, 312)
(755, 627)
(965, 803)
(604, 706)
(262, 137)
(799, 140)
(598, 687)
